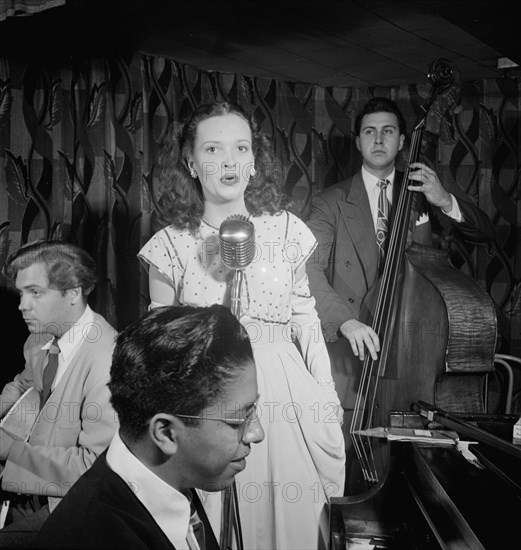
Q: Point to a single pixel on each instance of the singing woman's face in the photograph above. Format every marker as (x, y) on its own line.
(223, 158)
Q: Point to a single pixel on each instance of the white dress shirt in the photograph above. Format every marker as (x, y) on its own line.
(169, 508)
(372, 189)
(70, 341)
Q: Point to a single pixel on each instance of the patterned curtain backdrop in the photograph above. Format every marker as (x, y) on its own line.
(78, 144)
(23, 8)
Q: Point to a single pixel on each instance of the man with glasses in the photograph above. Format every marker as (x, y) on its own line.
(184, 386)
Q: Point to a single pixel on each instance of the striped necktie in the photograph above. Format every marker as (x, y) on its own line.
(50, 370)
(195, 536)
(382, 221)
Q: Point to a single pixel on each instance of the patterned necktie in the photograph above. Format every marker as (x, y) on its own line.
(50, 370)
(382, 221)
(195, 536)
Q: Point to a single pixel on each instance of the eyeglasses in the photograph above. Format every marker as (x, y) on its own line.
(241, 424)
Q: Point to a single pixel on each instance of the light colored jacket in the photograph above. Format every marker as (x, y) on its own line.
(75, 425)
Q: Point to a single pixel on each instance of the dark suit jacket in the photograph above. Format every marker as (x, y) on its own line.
(101, 512)
(344, 265)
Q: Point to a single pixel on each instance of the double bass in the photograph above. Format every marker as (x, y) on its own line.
(436, 325)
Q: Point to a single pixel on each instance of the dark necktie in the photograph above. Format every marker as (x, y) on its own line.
(382, 221)
(50, 370)
(195, 537)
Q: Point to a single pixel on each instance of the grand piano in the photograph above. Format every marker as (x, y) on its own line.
(437, 496)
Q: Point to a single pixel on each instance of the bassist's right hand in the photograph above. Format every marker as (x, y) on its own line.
(361, 337)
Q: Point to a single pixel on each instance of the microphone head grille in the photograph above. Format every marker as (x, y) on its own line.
(237, 242)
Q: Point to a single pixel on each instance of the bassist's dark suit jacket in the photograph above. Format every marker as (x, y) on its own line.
(344, 265)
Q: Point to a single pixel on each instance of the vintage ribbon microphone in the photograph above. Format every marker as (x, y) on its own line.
(237, 248)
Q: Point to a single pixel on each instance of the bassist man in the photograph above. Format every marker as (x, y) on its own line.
(346, 219)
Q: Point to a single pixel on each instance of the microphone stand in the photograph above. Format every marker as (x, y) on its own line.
(236, 293)
(230, 514)
(230, 520)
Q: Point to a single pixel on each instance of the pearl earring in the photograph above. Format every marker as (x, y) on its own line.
(253, 171)
(193, 173)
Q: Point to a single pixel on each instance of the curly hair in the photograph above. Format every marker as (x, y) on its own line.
(175, 360)
(181, 197)
(68, 266)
